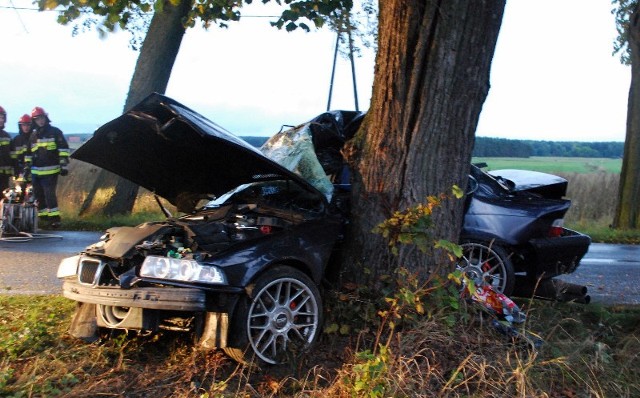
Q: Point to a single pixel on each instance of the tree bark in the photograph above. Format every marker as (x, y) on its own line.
(627, 214)
(431, 80)
(111, 194)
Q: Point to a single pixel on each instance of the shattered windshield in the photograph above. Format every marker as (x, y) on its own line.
(294, 150)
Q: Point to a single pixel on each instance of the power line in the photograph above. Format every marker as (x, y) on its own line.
(19, 17)
(12, 7)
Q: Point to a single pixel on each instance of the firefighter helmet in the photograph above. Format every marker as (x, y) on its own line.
(37, 111)
(24, 119)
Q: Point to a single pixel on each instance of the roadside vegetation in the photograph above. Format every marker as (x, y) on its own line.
(369, 349)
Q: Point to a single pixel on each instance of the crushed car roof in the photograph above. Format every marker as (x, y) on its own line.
(172, 150)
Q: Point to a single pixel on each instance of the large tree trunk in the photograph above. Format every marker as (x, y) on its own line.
(628, 209)
(432, 77)
(111, 194)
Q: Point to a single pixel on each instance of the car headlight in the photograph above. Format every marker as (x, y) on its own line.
(68, 266)
(181, 269)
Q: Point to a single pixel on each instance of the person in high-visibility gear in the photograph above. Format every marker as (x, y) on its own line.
(6, 163)
(47, 158)
(20, 147)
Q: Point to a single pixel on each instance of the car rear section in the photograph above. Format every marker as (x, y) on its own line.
(521, 213)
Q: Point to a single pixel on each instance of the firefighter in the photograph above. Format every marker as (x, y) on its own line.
(20, 147)
(47, 158)
(6, 163)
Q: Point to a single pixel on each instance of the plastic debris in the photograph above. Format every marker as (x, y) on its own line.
(505, 311)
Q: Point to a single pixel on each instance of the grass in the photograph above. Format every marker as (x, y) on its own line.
(601, 232)
(588, 351)
(555, 164)
(101, 223)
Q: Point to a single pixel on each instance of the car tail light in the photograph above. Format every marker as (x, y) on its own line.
(556, 228)
(265, 229)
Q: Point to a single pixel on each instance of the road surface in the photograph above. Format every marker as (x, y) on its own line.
(30, 267)
(611, 273)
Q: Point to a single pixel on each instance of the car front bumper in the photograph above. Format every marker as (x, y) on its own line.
(156, 298)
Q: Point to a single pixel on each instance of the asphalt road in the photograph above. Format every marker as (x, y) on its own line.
(611, 273)
(29, 267)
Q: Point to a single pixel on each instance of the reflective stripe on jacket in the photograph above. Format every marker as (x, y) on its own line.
(48, 150)
(6, 162)
(19, 150)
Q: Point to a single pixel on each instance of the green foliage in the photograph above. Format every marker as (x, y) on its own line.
(134, 15)
(28, 331)
(315, 12)
(369, 375)
(398, 303)
(622, 12)
(502, 147)
(589, 351)
(602, 232)
(410, 226)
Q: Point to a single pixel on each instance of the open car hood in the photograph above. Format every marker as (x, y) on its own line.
(172, 151)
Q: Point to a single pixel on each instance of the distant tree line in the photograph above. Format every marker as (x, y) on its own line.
(502, 147)
(495, 147)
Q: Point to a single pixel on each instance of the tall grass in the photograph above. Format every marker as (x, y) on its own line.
(593, 197)
(588, 351)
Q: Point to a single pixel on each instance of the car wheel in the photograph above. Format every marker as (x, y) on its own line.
(281, 317)
(487, 264)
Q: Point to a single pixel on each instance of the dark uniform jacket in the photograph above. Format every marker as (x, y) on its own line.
(6, 163)
(19, 149)
(48, 151)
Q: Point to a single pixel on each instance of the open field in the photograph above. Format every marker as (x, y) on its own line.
(555, 164)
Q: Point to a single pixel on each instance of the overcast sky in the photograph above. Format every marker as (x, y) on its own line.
(553, 75)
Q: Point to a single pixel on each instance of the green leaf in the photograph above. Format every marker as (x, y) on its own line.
(291, 27)
(333, 328)
(451, 247)
(113, 18)
(457, 191)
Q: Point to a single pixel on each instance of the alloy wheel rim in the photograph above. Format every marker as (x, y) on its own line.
(283, 315)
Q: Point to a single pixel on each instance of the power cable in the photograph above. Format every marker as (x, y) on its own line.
(19, 17)
(13, 7)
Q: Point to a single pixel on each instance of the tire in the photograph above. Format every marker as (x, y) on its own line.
(488, 264)
(280, 320)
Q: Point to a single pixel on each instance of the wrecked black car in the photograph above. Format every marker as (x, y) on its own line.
(241, 269)
(513, 235)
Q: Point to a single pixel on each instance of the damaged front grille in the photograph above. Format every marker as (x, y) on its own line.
(89, 271)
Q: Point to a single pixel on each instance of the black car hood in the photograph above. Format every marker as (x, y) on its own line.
(172, 150)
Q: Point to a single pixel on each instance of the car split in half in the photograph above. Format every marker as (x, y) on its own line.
(242, 269)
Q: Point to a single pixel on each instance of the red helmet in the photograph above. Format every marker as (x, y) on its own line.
(2, 111)
(24, 119)
(37, 111)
